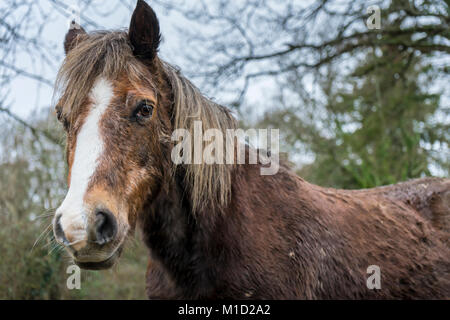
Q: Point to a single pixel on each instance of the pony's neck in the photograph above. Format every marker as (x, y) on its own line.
(177, 238)
(200, 251)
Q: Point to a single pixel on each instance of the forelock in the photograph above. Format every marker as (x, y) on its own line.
(98, 54)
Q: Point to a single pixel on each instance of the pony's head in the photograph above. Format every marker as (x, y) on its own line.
(119, 104)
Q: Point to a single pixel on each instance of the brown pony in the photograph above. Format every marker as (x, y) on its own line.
(223, 230)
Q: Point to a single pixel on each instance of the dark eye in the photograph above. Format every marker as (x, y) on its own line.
(143, 110)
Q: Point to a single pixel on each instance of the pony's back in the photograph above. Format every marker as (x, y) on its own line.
(430, 197)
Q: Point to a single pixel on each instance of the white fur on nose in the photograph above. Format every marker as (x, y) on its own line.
(88, 149)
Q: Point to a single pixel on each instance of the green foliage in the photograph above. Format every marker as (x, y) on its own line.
(27, 273)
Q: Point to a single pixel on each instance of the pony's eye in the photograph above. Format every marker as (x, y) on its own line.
(144, 110)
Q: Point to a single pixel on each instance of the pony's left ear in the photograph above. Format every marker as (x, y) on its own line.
(144, 31)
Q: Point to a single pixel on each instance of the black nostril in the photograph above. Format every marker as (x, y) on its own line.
(59, 233)
(105, 226)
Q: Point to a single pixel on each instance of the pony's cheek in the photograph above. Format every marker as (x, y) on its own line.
(143, 183)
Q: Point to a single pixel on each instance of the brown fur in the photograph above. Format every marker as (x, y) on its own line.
(225, 231)
(283, 238)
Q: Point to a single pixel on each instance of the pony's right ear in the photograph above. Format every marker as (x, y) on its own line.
(144, 31)
(72, 36)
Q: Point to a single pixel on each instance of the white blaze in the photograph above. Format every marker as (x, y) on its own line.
(88, 149)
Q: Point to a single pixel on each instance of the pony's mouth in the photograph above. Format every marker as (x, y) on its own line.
(100, 265)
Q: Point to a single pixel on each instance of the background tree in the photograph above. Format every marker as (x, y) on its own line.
(356, 107)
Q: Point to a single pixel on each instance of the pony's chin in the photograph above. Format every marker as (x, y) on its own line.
(100, 265)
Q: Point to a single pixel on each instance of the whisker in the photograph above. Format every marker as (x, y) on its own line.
(45, 215)
(57, 246)
(52, 241)
(41, 236)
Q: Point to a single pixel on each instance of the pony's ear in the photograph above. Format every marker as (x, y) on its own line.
(144, 31)
(72, 36)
